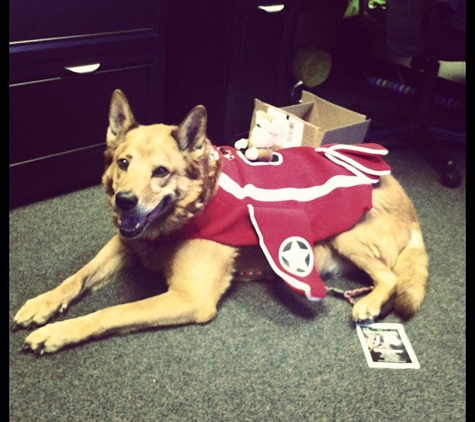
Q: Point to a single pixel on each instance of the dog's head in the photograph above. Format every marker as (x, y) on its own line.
(157, 177)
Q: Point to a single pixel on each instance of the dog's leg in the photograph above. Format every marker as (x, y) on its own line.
(369, 307)
(198, 276)
(100, 270)
(372, 261)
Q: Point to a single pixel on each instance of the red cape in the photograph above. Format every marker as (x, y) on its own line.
(305, 195)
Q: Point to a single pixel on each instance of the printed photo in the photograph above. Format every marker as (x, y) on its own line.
(386, 346)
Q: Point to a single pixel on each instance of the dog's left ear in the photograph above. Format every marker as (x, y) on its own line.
(191, 133)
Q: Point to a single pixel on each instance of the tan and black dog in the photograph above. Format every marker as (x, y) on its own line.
(157, 178)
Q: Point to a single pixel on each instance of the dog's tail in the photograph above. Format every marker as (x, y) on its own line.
(412, 270)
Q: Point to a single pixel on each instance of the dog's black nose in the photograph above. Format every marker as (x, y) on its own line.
(126, 200)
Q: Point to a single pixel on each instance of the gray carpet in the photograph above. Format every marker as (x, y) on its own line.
(261, 359)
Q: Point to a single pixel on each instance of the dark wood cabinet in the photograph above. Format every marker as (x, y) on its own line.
(225, 53)
(58, 107)
(66, 57)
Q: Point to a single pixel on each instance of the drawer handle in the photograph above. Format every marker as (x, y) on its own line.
(87, 68)
(272, 8)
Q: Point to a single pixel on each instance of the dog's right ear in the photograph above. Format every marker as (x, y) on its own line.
(121, 118)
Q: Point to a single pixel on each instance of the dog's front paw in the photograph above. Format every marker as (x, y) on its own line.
(39, 310)
(366, 309)
(52, 337)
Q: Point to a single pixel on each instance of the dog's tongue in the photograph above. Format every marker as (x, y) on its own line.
(131, 226)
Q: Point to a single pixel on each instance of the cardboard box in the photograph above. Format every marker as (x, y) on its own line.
(315, 121)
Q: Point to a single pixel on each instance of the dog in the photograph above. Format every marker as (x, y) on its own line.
(160, 177)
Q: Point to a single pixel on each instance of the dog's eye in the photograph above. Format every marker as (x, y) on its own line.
(160, 172)
(123, 163)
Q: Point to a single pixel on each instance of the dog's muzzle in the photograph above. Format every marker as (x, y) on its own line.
(132, 221)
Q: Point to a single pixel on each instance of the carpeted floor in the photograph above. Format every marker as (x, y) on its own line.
(260, 359)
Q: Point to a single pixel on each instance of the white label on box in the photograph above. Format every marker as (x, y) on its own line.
(293, 129)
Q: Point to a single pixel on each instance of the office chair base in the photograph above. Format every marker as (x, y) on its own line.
(451, 179)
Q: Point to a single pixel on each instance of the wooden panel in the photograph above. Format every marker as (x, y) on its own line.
(49, 19)
(260, 64)
(223, 54)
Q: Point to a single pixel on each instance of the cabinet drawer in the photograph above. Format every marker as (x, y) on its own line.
(54, 65)
(35, 20)
(56, 175)
(53, 116)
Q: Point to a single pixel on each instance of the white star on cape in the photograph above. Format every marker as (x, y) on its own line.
(298, 259)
